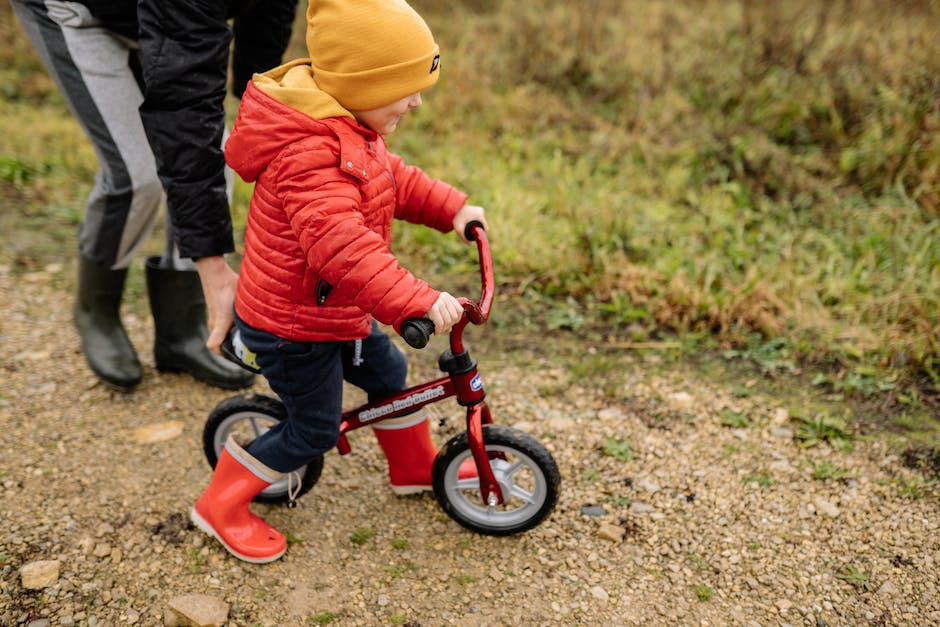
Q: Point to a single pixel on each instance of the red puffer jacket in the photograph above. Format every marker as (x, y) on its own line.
(319, 223)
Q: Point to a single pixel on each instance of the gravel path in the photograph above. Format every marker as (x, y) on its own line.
(688, 503)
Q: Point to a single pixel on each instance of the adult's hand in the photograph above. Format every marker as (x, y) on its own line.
(219, 282)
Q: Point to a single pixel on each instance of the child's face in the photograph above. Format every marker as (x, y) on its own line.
(385, 119)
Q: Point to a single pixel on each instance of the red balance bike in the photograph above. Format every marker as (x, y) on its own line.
(518, 481)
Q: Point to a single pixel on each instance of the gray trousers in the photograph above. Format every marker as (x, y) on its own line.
(97, 72)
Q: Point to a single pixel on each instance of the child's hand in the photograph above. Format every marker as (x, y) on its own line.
(466, 215)
(445, 313)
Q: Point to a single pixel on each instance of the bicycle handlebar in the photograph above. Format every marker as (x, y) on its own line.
(417, 332)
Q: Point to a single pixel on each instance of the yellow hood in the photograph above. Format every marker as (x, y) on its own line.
(293, 84)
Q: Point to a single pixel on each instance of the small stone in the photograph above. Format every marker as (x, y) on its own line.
(610, 413)
(158, 432)
(784, 433)
(102, 549)
(681, 400)
(825, 507)
(887, 589)
(639, 507)
(593, 510)
(648, 486)
(614, 533)
(599, 593)
(196, 610)
(40, 574)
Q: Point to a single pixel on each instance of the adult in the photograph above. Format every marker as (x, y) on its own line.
(147, 82)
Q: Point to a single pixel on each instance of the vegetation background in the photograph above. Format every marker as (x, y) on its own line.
(757, 182)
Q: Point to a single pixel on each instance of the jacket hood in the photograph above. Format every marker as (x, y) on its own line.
(279, 107)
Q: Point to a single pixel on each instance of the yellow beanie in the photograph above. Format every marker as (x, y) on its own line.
(370, 53)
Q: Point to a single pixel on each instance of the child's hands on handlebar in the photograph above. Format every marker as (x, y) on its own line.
(447, 310)
(466, 215)
(444, 313)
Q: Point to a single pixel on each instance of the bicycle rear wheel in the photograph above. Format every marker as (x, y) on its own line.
(247, 416)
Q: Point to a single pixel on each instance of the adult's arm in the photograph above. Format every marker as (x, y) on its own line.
(184, 56)
(262, 33)
(184, 48)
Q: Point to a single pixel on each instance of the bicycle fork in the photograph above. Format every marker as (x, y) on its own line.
(468, 387)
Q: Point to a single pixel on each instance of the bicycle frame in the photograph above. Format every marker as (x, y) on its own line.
(463, 381)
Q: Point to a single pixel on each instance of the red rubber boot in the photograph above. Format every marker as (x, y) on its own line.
(410, 453)
(222, 510)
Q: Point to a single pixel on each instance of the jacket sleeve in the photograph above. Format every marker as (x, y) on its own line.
(322, 205)
(184, 49)
(423, 200)
(184, 57)
(262, 33)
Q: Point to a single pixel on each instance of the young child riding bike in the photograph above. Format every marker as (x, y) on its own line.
(318, 271)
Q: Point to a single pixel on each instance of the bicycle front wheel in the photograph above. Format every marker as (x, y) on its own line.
(526, 472)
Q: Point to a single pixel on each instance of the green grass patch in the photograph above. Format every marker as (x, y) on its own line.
(621, 450)
(855, 577)
(763, 479)
(825, 470)
(823, 428)
(323, 618)
(761, 180)
(704, 593)
(361, 536)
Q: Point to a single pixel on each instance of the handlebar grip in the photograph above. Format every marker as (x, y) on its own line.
(417, 331)
(468, 230)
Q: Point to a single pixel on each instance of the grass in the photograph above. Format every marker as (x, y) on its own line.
(361, 536)
(825, 470)
(855, 577)
(762, 479)
(621, 450)
(755, 181)
(703, 592)
(823, 428)
(323, 618)
(649, 194)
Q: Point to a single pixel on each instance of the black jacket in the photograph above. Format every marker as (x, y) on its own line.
(184, 57)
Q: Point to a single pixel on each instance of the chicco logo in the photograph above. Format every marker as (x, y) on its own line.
(436, 62)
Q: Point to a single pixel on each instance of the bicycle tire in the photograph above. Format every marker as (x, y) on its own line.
(249, 415)
(526, 472)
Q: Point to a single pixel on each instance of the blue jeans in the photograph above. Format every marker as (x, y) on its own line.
(308, 378)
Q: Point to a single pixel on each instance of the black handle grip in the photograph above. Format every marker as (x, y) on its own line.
(417, 331)
(468, 230)
(231, 351)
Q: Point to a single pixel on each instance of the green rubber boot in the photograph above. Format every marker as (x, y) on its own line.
(180, 331)
(97, 318)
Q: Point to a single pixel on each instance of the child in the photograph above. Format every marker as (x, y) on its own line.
(317, 265)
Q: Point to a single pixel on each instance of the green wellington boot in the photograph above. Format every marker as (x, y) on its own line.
(180, 331)
(97, 318)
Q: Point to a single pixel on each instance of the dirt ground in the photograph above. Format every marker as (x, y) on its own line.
(685, 502)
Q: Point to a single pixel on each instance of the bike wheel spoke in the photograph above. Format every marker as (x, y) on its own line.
(513, 469)
(522, 495)
(472, 483)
